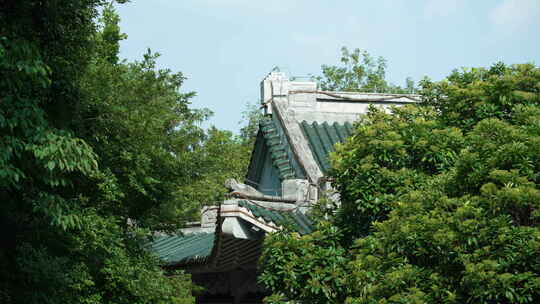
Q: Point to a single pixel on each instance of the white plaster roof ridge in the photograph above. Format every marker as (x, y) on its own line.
(353, 93)
(370, 93)
(258, 218)
(368, 97)
(274, 205)
(245, 214)
(232, 205)
(297, 140)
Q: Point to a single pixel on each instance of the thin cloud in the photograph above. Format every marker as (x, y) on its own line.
(261, 7)
(514, 15)
(441, 8)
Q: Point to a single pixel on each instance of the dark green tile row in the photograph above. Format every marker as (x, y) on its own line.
(174, 249)
(323, 137)
(197, 247)
(277, 149)
(291, 219)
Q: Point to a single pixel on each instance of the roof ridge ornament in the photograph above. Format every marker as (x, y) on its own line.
(247, 192)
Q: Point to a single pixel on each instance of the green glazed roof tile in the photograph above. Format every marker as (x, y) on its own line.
(197, 247)
(277, 149)
(282, 161)
(175, 249)
(323, 137)
(292, 219)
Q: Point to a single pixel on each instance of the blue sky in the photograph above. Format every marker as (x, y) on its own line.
(225, 47)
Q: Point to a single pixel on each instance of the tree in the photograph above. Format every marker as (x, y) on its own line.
(147, 138)
(224, 155)
(91, 152)
(359, 72)
(440, 201)
(250, 125)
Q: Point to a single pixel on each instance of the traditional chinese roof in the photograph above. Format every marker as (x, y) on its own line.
(183, 249)
(300, 127)
(200, 248)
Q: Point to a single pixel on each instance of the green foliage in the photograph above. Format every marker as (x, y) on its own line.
(96, 264)
(92, 150)
(387, 156)
(223, 155)
(250, 125)
(440, 202)
(146, 136)
(309, 268)
(359, 72)
(472, 94)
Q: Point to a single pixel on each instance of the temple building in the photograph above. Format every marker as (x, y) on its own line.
(286, 175)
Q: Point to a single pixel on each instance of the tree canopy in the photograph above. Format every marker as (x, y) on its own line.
(359, 72)
(96, 155)
(440, 202)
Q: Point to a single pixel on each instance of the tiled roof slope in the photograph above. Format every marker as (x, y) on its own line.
(277, 149)
(197, 248)
(323, 137)
(189, 248)
(295, 220)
